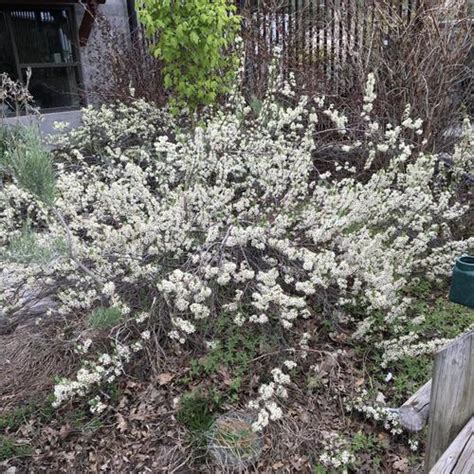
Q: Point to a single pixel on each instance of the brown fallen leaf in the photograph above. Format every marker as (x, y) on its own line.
(165, 378)
(384, 439)
(329, 362)
(401, 465)
(122, 424)
(65, 431)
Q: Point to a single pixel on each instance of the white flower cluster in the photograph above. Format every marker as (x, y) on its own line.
(336, 452)
(105, 370)
(386, 416)
(339, 119)
(409, 122)
(414, 444)
(84, 347)
(97, 406)
(268, 410)
(408, 346)
(187, 292)
(369, 95)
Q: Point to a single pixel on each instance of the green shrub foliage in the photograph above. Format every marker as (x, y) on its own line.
(193, 38)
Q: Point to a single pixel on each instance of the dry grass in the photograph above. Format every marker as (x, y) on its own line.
(29, 359)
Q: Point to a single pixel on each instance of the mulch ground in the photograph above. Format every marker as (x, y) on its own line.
(140, 431)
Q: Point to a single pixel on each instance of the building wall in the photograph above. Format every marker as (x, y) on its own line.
(116, 13)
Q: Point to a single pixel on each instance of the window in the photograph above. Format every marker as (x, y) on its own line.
(43, 40)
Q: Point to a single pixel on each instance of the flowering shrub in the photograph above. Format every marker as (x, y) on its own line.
(177, 227)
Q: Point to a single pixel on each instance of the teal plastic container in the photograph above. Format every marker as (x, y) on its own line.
(462, 284)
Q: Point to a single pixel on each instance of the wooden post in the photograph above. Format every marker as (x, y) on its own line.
(414, 412)
(452, 396)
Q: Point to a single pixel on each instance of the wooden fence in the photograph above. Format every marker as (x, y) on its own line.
(447, 403)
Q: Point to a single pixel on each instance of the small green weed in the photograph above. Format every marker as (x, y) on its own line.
(197, 411)
(82, 420)
(320, 469)
(10, 449)
(315, 382)
(364, 442)
(236, 352)
(368, 446)
(236, 349)
(422, 288)
(105, 318)
(27, 248)
(411, 374)
(114, 391)
(11, 421)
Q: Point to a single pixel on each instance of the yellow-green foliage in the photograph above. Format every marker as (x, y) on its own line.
(193, 39)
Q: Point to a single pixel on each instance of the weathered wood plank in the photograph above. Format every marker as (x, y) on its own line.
(414, 412)
(459, 457)
(465, 464)
(452, 400)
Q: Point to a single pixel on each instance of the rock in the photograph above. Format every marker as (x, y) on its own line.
(380, 398)
(233, 443)
(29, 301)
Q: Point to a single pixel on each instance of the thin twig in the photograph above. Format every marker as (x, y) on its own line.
(70, 246)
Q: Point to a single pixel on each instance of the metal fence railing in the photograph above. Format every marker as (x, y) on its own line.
(330, 37)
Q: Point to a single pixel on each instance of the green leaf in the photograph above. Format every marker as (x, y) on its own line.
(194, 37)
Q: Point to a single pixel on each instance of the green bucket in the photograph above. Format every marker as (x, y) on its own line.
(462, 284)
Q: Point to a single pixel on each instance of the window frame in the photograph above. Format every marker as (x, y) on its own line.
(76, 64)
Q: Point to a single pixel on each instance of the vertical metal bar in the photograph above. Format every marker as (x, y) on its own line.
(342, 59)
(367, 29)
(333, 41)
(288, 36)
(302, 31)
(77, 57)
(325, 40)
(350, 42)
(296, 34)
(364, 28)
(13, 42)
(316, 20)
(275, 22)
